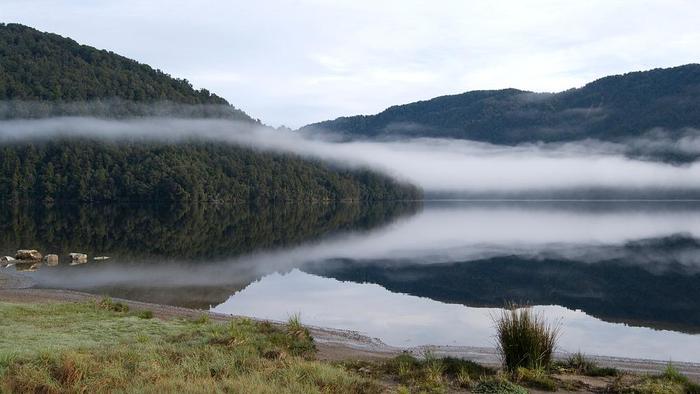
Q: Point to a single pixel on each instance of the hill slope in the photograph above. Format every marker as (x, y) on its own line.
(45, 66)
(612, 109)
(44, 74)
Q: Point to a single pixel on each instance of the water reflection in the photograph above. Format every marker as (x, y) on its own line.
(637, 263)
(187, 255)
(197, 232)
(405, 320)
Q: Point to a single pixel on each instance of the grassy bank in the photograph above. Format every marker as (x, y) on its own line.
(102, 346)
(97, 347)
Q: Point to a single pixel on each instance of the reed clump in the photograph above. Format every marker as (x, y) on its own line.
(525, 339)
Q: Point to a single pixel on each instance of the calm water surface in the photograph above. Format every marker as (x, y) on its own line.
(620, 277)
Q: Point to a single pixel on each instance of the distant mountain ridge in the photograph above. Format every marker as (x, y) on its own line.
(612, 108)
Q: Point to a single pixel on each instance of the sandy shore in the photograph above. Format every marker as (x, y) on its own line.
(333, 344)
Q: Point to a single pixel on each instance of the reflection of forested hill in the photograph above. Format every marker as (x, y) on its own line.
(611, 290)
(197, 231)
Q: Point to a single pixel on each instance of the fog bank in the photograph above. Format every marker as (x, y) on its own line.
(439, 165)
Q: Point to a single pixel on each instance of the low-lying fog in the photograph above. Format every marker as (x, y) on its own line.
(436, 165)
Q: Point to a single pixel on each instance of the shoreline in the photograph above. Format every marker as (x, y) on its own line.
(337, 344)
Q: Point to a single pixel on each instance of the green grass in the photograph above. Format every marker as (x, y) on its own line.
(671, 381)
(578, 363)
(428, 374)
(525, 339)
(100, 346)
(498, 385)
(535, 378)
(91, 347)
(29, 329)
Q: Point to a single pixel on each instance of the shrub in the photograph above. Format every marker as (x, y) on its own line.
(673, 374)
(299, 339)
(110, 305)
(525, 339)
(145, 315)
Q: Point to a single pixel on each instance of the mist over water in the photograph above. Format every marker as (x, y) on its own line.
(436, 165)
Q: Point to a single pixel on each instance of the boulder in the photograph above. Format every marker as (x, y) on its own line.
(78, 258)
(51, 260)
(28, 254)
(6, 260)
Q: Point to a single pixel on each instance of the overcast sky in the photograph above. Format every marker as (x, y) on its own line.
(296, 62)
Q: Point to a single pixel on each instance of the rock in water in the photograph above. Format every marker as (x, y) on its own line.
(6, 260)
(28, 254)
(51, 260)
(27, 266)
(78, 258)
(101, 258)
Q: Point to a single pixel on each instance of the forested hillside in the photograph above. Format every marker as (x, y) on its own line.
(92, 171)
(45, 66)
(44, 75)
(612, 108)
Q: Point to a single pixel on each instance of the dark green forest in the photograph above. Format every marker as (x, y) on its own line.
(89, 170)
(613, 108)
(44, 75)
(42, 66)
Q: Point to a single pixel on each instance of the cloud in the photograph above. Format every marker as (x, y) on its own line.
(298, 62)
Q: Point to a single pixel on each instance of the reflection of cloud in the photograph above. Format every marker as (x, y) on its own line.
(404, 320)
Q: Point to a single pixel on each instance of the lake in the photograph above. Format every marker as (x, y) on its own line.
(620, 277)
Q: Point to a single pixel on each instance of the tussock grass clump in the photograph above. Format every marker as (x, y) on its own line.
(525, 339)
(145, 315)
(299, 340)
